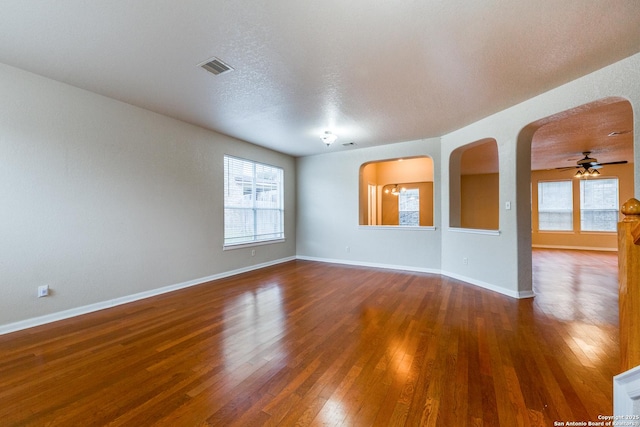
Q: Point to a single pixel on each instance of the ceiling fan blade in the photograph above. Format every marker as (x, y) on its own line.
(621, 162)
(565, 168)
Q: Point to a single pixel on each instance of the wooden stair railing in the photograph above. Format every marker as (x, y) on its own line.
(629, 284)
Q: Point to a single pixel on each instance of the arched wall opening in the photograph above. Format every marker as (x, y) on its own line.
(474, 186)
(549, 149)
(397, 192)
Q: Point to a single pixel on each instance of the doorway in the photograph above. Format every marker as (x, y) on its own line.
(581, 162)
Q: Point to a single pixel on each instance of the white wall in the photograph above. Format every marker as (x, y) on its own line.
(505, 260)
(327, 221)
(102, 200)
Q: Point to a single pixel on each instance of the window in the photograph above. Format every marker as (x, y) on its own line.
(253, 202)
(409, 207)
(599, 204)
(555, 206)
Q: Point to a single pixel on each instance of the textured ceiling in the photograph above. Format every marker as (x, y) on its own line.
(373, 72)
(606, 131)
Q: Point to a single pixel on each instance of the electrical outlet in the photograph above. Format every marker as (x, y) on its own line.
(43, 291)
(347, 249)
(253, 252)
(465, 261)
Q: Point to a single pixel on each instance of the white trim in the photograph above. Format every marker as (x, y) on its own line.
(626, 390)
(567, 232)
(575, 248)
(489, 286)
(474, 231)
(251, 244)
(60, 315)
(397, 227)
(479, 283)
(370, 264)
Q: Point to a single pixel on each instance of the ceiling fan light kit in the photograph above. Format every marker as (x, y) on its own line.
(588, 167)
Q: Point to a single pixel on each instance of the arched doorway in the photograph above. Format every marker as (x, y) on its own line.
(549, 153)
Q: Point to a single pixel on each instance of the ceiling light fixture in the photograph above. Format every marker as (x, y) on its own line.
(328, 138)
(395, 190)
(587, 172)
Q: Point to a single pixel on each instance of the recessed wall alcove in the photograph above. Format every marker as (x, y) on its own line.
(474, 186)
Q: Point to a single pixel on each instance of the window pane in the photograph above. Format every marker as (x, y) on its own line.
(253, 201)
(269, 224)
(409, 207)
(555, 206)
(599, 204)
(238, 226)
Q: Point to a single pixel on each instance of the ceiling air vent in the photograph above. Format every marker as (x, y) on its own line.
(216, 66)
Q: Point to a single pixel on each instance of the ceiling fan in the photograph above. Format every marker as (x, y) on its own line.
(589, 166)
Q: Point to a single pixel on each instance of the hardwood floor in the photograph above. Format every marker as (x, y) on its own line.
(306, 343)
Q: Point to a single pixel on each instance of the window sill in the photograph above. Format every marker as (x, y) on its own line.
(475, 231)
(397, 227)
(597, 233)
(251, 244)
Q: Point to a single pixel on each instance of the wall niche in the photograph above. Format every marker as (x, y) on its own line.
(474, 186)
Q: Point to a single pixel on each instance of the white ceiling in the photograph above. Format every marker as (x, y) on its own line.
(372, 71)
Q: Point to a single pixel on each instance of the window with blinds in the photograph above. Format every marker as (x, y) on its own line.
(253, 202)
(599, 204)
(555, 206)
(409, 207)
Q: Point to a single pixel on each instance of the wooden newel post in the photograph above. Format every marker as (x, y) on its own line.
(629, 284)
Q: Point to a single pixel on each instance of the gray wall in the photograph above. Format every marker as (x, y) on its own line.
(102, 200)
(328, 209)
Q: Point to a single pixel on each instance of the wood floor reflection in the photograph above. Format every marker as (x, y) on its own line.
(306, 343)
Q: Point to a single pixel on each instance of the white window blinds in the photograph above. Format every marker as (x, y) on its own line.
(409, 207)
(253, 202)
(599, 204)
(555, 205)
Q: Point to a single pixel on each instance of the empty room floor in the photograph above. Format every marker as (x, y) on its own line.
(307, 343)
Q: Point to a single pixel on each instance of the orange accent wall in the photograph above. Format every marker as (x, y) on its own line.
(390, 204)
(480, 201)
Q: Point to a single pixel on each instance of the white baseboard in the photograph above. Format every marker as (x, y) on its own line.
(53, 317)
(370, 264)
(61, 315)
(489, 286)
(479, 283)
(575, 248)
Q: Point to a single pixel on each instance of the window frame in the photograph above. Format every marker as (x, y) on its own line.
(570, 211)
(583, 184)
(254, 237)
(402, 195)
